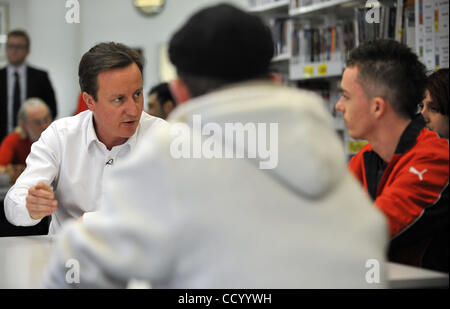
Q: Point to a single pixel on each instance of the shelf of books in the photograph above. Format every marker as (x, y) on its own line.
(313, 39)
(258, 6)
(281, 28)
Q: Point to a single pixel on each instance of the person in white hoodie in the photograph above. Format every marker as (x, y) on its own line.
(247, 187)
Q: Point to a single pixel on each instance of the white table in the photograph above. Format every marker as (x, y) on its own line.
(23, 260)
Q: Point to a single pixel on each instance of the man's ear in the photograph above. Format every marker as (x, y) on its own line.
(378, 106)
(179, 91)
(89, 101)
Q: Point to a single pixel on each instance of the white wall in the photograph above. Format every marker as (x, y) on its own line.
(58, 46)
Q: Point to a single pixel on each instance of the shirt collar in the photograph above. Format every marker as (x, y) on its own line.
(21, 69)
(92, 136)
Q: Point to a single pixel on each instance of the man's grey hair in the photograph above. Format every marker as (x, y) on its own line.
(31, 102)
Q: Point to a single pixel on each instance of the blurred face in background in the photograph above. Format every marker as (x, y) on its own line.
(436, 121)
(37, 120)
(154, 107)
(16, 50)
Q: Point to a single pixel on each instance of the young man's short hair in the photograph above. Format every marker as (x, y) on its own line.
(389, 69)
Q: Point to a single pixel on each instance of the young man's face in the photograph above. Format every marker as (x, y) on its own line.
(435, 120)
(16, 50)
(119, 104)
(354, 105)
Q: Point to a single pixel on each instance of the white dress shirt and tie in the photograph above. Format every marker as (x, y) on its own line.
(71, 159)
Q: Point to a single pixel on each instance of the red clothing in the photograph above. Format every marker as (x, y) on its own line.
(412, 189)
(14, 150)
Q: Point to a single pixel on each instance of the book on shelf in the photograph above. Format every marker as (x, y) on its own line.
(311, 45)
(280, 32)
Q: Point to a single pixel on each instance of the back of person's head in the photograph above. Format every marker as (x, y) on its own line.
(220, 45)
(390, 70)
(20, 33)
(438, 88)
(103, 57)
(163, 93)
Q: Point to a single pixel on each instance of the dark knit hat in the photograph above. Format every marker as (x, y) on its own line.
(222, 42)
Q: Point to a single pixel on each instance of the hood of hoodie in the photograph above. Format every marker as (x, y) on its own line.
(296, 143)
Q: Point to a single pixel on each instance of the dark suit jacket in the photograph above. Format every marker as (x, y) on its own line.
(38, 85)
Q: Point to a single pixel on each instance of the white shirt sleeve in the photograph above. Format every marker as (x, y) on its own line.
(42, 166)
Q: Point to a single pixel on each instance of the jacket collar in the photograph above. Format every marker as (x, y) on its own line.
(409, 136)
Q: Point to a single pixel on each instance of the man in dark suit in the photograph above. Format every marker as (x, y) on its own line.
(18, 81)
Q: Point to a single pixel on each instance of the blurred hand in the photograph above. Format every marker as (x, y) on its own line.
(40, 201)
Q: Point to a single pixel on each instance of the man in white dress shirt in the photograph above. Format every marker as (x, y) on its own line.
(69, 163)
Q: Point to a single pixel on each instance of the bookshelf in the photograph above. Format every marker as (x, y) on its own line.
(313, 38)
(311, 70)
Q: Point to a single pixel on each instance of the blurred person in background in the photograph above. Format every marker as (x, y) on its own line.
(434, 107)
(33, 117)
(160, 101)
(19, 81)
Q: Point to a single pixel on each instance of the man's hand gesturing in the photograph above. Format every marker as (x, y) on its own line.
(41, 201)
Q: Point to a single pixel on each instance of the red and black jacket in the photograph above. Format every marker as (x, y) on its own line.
(412, 191)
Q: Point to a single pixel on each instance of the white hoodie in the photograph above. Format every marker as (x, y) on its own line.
(303, 222)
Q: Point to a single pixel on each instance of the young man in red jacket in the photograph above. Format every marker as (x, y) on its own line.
(404, 168)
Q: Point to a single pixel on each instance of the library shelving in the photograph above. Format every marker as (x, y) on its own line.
(314, 37)
(298, 8)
